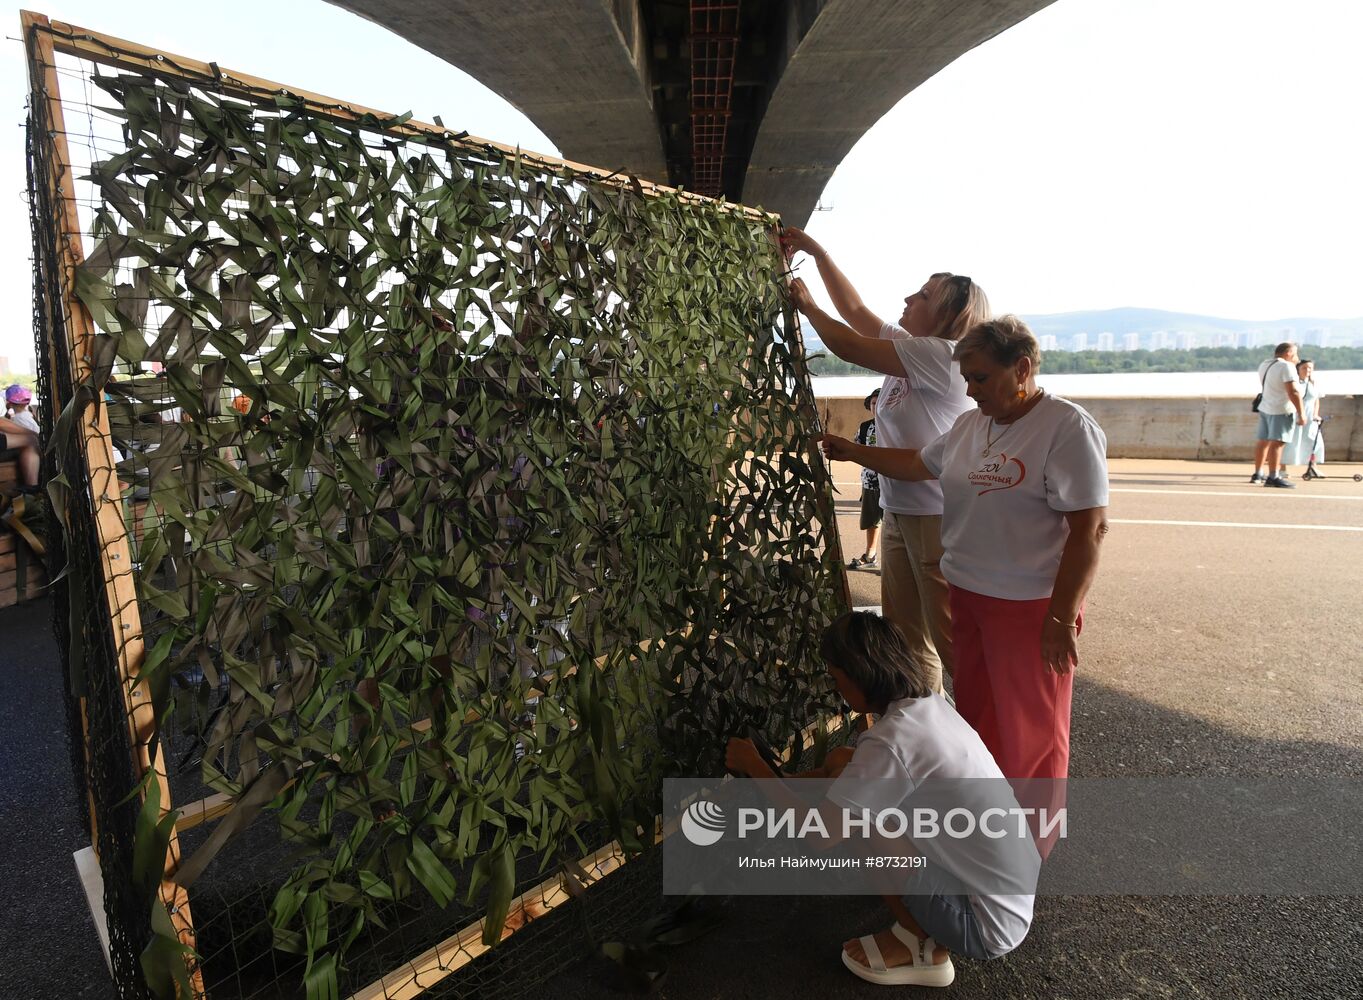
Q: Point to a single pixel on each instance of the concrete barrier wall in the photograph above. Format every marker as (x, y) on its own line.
(1212, 428)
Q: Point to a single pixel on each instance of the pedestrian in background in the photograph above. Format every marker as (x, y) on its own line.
(17, 401)
(19, 433)
(1279, 404)
(871, 512)
(1306, 438)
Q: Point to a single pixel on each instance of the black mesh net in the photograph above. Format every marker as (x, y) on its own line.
(459, 498)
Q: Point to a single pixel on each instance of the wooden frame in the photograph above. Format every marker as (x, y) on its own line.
(443, 960)
(111, 51)
(44, 39)
(110, 529)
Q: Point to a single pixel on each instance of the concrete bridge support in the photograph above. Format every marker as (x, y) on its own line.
(611, 81)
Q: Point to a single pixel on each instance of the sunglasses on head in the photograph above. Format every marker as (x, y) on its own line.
(962, 283)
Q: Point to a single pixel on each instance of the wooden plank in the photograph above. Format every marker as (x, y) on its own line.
(452, 954)
(111, 535)
(9, 566)
(7, 541)
(455, 952)
(34, 580)
(92, 881)
(216, 806)
(111, 51)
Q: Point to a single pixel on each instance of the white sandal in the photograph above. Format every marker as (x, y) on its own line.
(921, 973)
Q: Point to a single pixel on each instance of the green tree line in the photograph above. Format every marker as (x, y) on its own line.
(1199, 359)
(28, 381)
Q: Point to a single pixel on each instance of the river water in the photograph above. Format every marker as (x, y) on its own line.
(1245, 384)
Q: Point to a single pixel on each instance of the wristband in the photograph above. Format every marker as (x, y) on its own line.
(1073, 625)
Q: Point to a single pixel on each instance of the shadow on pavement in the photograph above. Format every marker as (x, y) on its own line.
(1080, 947)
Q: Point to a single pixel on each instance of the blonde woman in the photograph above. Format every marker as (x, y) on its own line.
(1025, 480)
(920, 399)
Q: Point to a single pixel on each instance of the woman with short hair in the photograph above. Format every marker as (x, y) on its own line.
(1024, 480)
(871, 512)
(920, 399)
(976, 898)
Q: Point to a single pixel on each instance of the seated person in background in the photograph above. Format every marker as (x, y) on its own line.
(17, 400)
(918, 738)
(19, 432)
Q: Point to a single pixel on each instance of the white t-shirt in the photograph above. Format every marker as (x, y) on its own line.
(915, 410)
(1004, 528)
(925, 739)
(1274, 376)
(25, 420)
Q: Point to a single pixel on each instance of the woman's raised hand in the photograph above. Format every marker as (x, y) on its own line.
(794, 239)
(800, 297)
(837, 449)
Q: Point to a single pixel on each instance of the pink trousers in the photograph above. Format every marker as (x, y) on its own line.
(1020, 708)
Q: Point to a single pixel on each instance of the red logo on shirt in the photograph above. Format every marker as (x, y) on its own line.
(998, 474)
(894, 392)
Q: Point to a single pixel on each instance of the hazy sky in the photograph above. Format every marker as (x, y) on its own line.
(1193, 155)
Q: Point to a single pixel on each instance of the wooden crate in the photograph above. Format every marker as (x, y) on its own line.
(35, 575)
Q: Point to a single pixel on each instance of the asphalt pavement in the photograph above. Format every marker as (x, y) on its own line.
(1222, 638)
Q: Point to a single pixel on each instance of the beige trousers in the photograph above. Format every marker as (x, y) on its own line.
(913, 593)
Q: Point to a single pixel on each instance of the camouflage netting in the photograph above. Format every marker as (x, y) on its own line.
(467, 497)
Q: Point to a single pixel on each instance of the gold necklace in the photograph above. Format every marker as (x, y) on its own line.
(990, 441)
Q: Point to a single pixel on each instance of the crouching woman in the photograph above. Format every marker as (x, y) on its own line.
(917, 742)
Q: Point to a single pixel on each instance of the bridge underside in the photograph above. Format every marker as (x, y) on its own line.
(755, 100)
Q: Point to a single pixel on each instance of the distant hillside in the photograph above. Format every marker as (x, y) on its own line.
(1132, 320)
(1147, 321)
(1157, 330)
(1159, 340)
(1199, 359)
